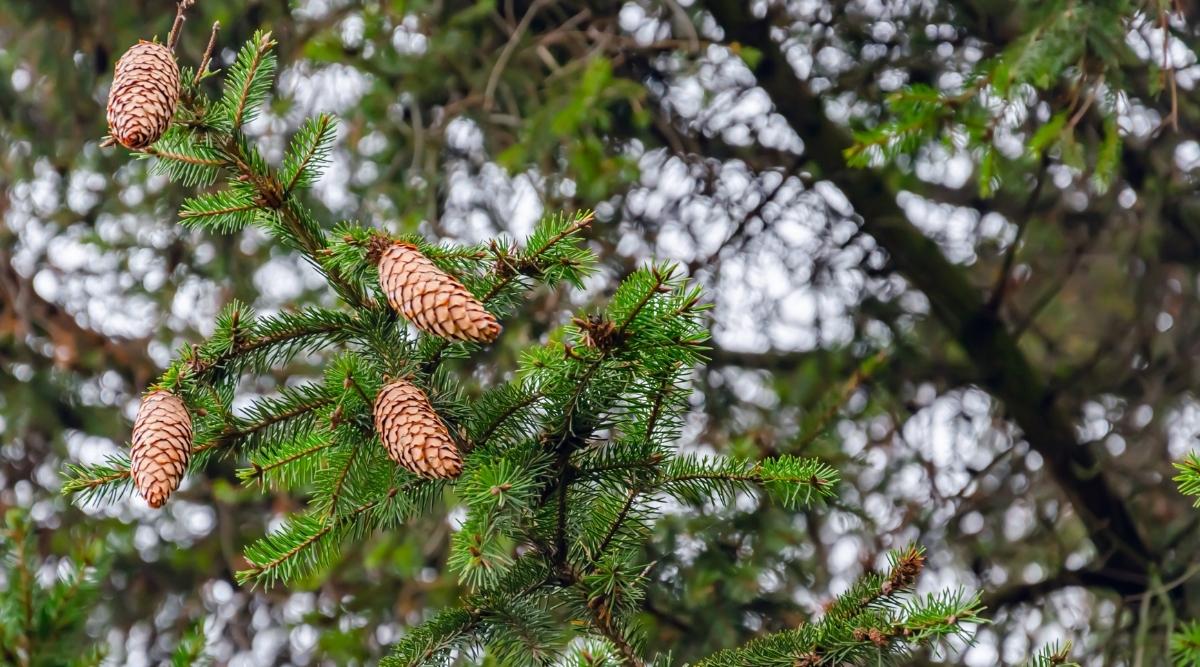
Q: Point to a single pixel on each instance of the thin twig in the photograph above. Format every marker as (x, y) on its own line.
(1046, 298)
(685, 21)
(206, 59)
(1087, 103)
(1169, 72)
(616, 526)
(180, 10)
(1002, 278)
(628, 656)
(489, 92)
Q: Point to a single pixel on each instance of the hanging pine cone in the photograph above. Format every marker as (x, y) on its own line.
(432, 299)
(412, 434)
(145, 90)
(162, 445)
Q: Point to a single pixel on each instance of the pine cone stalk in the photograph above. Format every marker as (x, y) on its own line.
(144, 93)
(162, 445)
(412, 433)
(433, 300)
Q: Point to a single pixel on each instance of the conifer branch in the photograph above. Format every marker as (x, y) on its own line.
(258, 472)
(275, 556)
(503, 417)
(266, 569)
(531, 259)
(246, 89)
(105, 482)
(620, 520)
(313, 149)
(1185, 646)
(194, 160)
(665, 387)
(91, 482)
(245, 347)
(46, 599)
(340, 482)
(310, 240)
(604, 624)
(1188, 478)
(234, 433)
(562, 465)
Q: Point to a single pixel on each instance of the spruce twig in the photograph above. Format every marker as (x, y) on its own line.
(177, 25)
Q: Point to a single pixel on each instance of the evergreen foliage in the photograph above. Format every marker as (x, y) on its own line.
(1188, 478)
(568, 462)
(44, 602)
(1054, 655)
(1079, 51)
(874, 622)
(1185, 645)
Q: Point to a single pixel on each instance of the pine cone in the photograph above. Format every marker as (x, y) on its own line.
(162, 445)
(432, 299)
(145, 90)
(412, 433)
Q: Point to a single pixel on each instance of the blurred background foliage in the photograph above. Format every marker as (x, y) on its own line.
(952, 247)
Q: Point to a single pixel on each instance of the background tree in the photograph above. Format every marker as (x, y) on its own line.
(1013, 234)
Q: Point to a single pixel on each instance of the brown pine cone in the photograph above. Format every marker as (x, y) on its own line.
(412, 433)
(145, 90)
(432, 299)
(162, 445)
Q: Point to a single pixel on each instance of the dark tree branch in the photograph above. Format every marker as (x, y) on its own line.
(1003, 368)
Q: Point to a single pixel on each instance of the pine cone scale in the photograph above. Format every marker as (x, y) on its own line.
(431, 299)
(143, 96)
(412, 433)
(161, 446)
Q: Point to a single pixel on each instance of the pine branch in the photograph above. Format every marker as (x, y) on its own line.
(282, 418)
(193, 160)
(46, 600)
(620, 520)
(1185, 646)
(1188, 478)
(275, 465)
(190, 652)
(876, 618)
(430, 642)
(340, 482)
(309, 542)
(293, 224)
(308, 153)
(509, 412)
(604, 624)
(221, 212)
(103, 483)
(249, 79)
(1056, 655)
(244, 342)
(274, 556)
